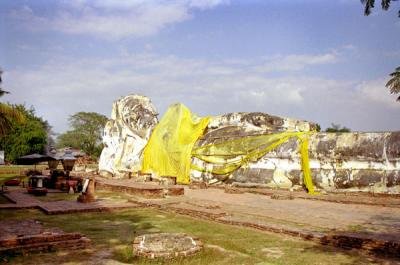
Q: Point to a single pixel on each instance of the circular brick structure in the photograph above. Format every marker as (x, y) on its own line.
(165, 245)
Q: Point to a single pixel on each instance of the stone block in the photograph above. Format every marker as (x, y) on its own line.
(392, 178)
(342, 179)
(366, 177)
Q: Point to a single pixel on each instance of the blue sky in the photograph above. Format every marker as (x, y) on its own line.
(317, 60)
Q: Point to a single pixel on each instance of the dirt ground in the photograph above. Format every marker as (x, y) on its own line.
(312, 213)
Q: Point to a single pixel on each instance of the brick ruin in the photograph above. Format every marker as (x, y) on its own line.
(23, 236)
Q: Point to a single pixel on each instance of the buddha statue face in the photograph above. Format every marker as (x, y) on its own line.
(132, 120)
(138, 114)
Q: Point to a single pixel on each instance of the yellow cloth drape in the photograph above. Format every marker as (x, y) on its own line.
(168, 151)
(227, 156)
(170, 148)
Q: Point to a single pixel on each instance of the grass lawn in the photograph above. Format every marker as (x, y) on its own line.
(112, 235)
(53, 197)
(5, 177)
(15, 171)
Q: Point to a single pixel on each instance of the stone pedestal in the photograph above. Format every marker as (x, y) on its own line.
(166, 245)
(88, 194)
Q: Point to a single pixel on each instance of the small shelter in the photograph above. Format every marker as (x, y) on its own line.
(35, 159)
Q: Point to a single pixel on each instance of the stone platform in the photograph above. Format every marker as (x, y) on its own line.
(166, 245)
(21, 200)
(146, 189)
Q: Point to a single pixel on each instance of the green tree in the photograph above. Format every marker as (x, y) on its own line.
(25, 138)
(370, 4)
(8, 114)
(394, 83)
(86, 133)
(337, 128)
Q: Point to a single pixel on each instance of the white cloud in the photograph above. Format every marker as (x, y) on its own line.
(113, 19)
(64, 86)
(375, 91)
(395, 53)
(204, 4)
(349, 47)
(129, 4)
(296, 62)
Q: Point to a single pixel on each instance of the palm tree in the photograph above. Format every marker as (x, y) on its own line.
(369, 4)
(8, 114)
(394, 83)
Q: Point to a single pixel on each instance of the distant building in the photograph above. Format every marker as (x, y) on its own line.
(75, 152)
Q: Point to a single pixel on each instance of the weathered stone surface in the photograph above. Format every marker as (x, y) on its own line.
(392, 178)
(295, 176)
(356, 161)
(147, 190)
(235, 125)
(393, 145)
(125, 135)
(341, 179)
(166, 245)
(253, 175)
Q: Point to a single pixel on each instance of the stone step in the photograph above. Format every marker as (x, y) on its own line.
(141, 189)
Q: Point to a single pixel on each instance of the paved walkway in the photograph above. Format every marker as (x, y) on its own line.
(20, 200)
(300, 212)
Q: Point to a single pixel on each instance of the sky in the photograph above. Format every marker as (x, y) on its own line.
(317, 60)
